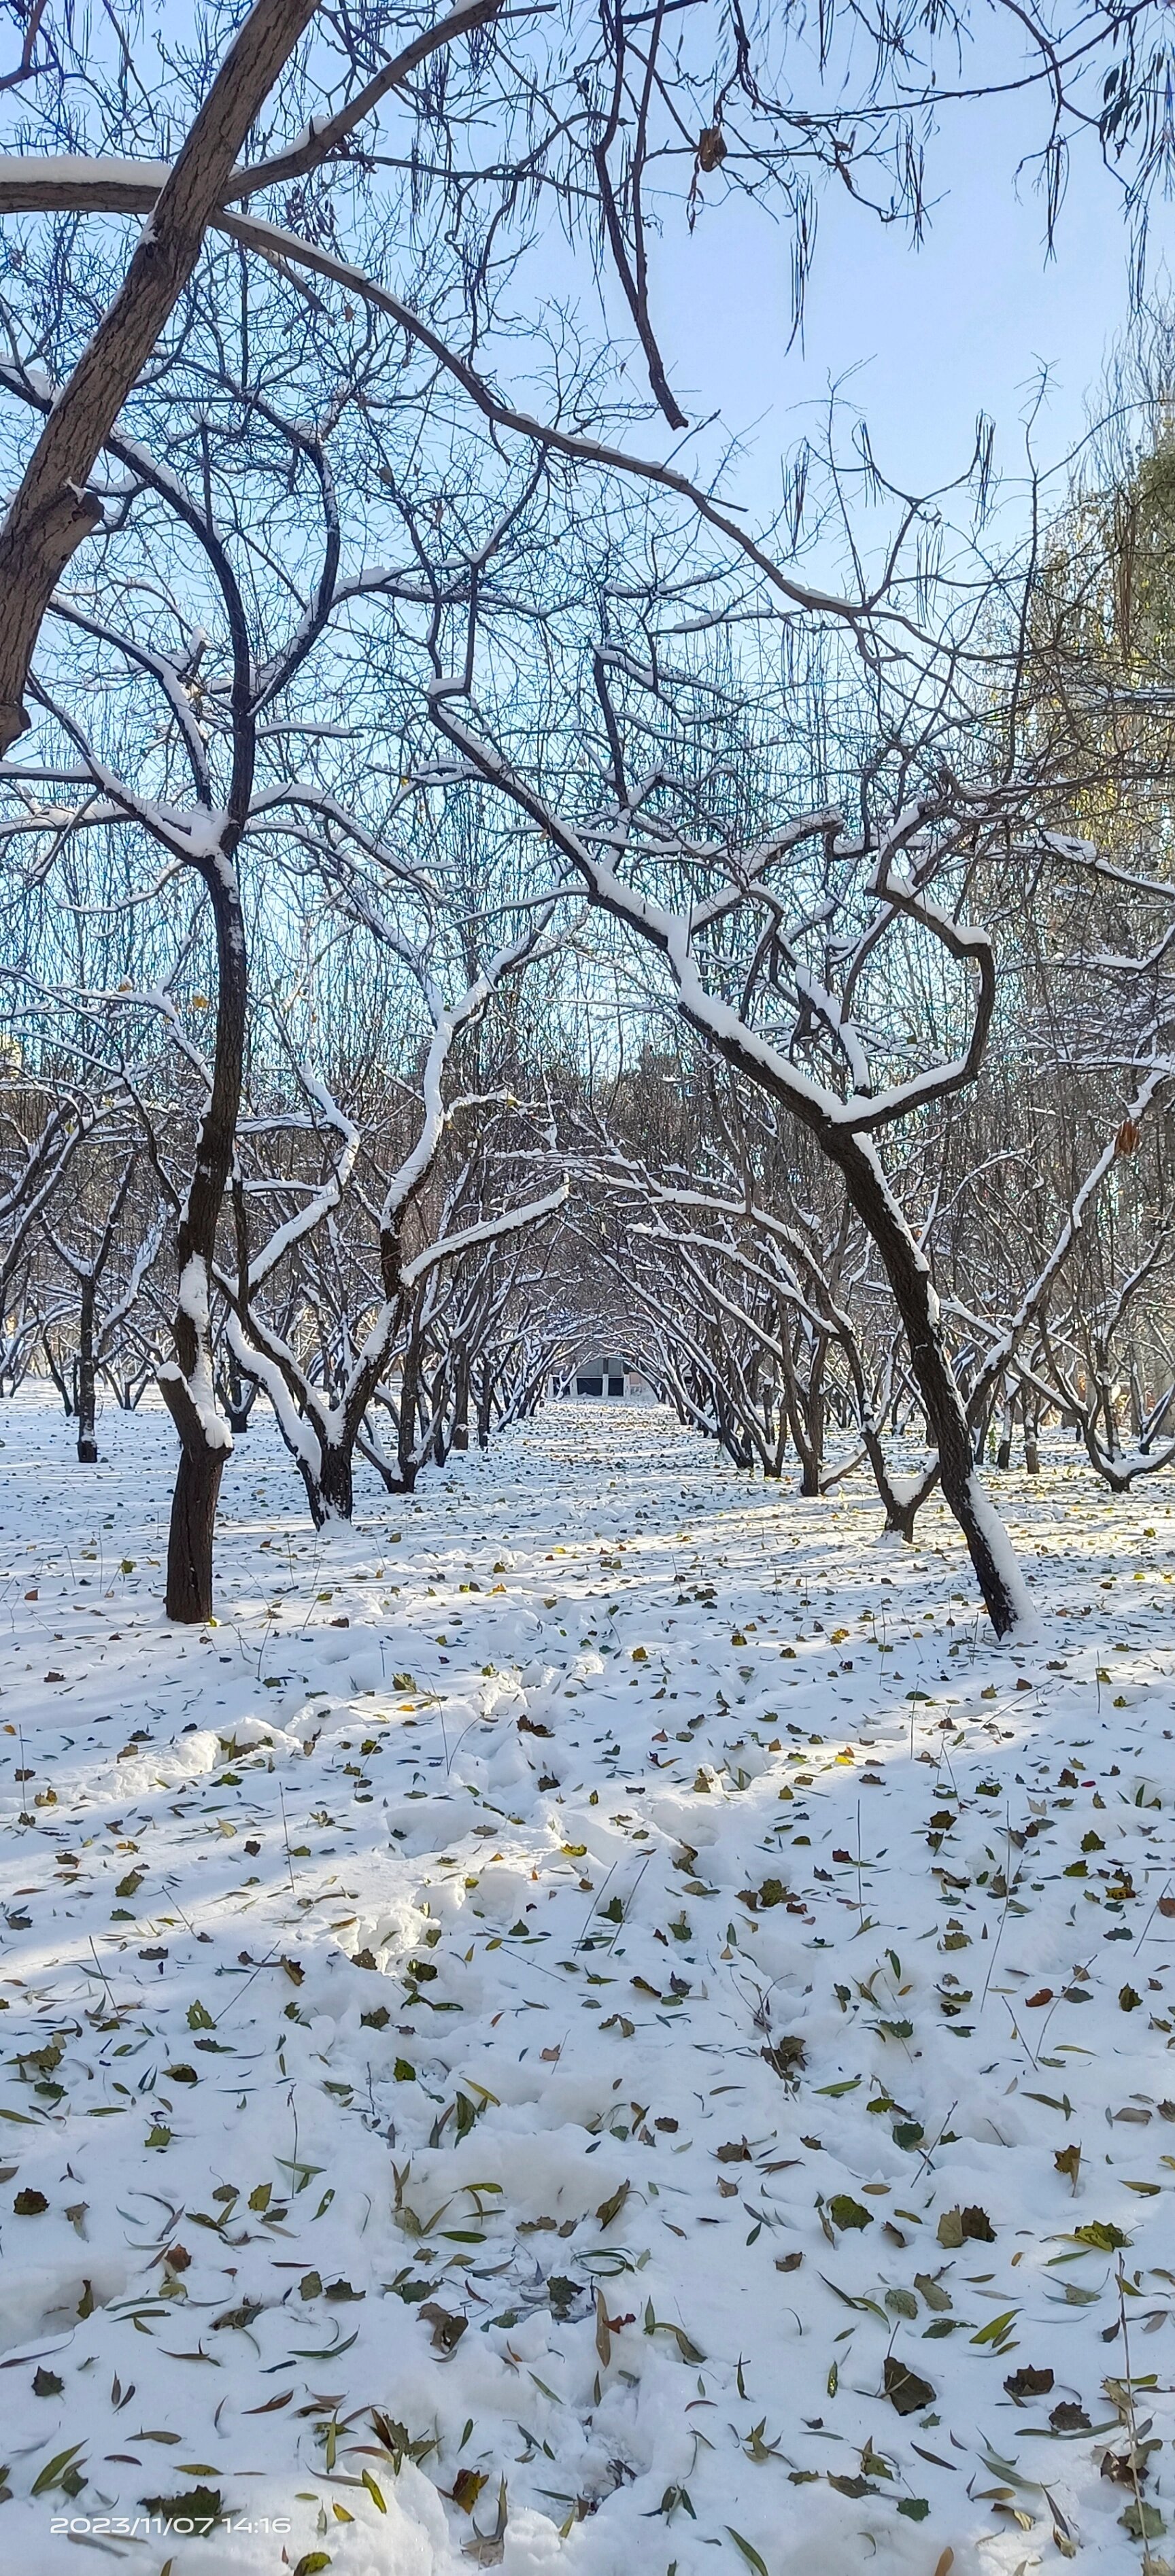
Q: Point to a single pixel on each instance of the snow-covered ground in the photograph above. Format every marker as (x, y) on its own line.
(321, 2195)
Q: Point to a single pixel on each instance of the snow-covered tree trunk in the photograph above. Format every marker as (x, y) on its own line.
(914, 1293)
(186, 1383)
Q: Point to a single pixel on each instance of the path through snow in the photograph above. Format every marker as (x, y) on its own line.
(558, 2034)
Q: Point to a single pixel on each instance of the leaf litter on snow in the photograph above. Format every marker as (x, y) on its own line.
(631, 2032)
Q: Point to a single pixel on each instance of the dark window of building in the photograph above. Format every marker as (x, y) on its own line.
(589, 1386)
(615, 1386)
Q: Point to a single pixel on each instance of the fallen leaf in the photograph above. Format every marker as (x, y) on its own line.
(907, 2393)
(447, 2329)
(1029, 2382)
(846, 2212)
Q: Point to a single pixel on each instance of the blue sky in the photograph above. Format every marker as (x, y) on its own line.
(933, 334)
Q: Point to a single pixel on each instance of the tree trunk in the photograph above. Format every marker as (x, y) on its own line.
(900, 1515)
(1003, 1455)
(798, 1412)
(193, 1515)
(817, 1414)
(917, 1304)
(87, 1404)
(336, 1482)
(51, 511)
(439, 1443)
(193, 1519)
(186, 1383)
(1107, 1407)
(241, 1395)
(58, 1375)
(980, 1428)
(461, 1400)
(485, 1401)
(409, 1408)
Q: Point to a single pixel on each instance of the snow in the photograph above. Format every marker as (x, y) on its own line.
(192, 1301)
(385, 2016)
(1002, 1553)
(98, 173)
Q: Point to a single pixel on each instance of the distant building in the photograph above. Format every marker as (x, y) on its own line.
(605, 1373)
(599, 1373)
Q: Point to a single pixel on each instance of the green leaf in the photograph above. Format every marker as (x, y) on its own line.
(200, 2506)
(848, 2084)
(995, 2327)
(846, 2212)
(750, 2553)
(1143, 2522)
(867, 2306)
(49, 2475)
(1104, 2238)
(334, 2351)
(915, 2508)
